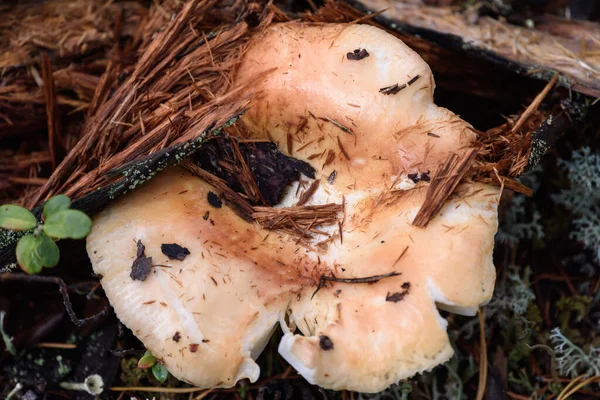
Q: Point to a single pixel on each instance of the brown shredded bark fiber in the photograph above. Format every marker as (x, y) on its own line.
(179, 86)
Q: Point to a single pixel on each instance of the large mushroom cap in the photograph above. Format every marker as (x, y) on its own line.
(372, 120)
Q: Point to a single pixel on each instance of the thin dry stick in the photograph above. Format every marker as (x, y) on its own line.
(534, 104)
(483, 356)
(570, 385)
(576, 388)
(203, 394)
(51, 345)
(308, 193)
(367, 279)
(157, 389)
(442, 185)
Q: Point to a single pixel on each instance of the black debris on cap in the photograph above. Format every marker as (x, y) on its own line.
(141, 265)
(214, 200)
(325, 343)
(174, 251)
(357, 54)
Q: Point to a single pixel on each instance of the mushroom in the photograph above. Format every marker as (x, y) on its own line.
(357, 104)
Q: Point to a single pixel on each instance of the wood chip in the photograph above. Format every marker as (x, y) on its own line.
(442, 185)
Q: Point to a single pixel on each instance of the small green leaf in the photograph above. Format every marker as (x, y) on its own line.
(147, 360)
(71, 224)
(47, 251)
(36, 252)
(27, 256)
(160, 372)
(56, 203)
(16, 218)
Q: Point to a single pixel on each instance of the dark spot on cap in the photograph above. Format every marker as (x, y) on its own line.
(206, 215)
(176, 337)
(174, 251)
(141, 265)
(194, 347)
(414, 177)
(325, 343)
(357, 54)
(398, 296)
(214, 200)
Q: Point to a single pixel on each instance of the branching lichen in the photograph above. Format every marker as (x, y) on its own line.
(583, 198)
(520, 220)
(398, 391)
(572, 360)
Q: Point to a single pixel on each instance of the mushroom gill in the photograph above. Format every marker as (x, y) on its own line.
(356, 104)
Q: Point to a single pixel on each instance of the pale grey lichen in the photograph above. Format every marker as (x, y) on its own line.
(583, 198)
(510, 301)
(571, 359)
(399, 391)
(521, 220)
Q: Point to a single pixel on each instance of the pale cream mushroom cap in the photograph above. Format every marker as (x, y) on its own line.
(239, 279)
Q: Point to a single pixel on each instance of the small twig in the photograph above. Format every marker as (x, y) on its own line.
(400, 256)
(482, 356)
(534, 104)
(367, 279)
(308, 193)
(62, 287)
(126, 352)
(442, 185)
(155, 389)
(570, 385)
(203, 394)
(553, 362)
(575, 388)
(51, 345)
(339, 125)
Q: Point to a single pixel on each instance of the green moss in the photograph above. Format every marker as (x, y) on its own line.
(131, 375)
(572, 307)
(534, 314)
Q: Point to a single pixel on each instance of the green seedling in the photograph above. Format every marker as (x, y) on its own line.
(159, 371)
(147, 360)
(38, 249)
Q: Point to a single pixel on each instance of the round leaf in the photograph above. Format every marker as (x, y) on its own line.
(47, 251)
(17, 218)
(147, 360)
(56, 203)
(27, 256)
(65, 224)
(160, 372)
